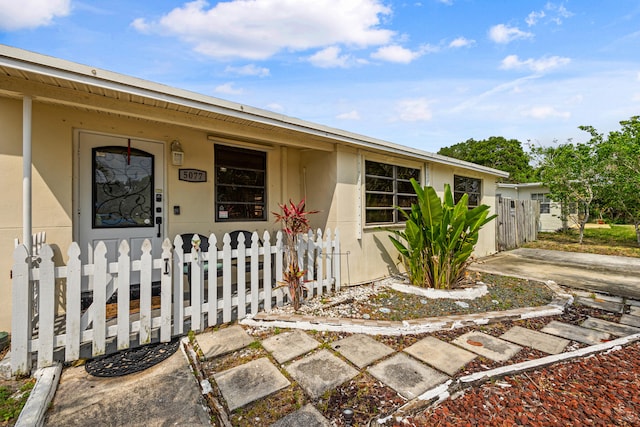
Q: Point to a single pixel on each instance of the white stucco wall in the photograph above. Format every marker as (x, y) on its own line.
(549, 222)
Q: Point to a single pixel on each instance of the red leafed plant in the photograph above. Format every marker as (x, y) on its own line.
(294, 222)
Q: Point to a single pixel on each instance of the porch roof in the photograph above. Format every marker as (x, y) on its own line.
(22, 70)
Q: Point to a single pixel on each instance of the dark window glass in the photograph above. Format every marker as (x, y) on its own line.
(240, 184)
(388, 186)
(545, 202)
(379, 169)
(379, 215)
(464, 185)
(122, 188)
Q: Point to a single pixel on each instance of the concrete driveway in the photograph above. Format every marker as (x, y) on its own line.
(614, 275)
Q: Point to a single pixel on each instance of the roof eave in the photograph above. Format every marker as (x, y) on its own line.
(71, 71)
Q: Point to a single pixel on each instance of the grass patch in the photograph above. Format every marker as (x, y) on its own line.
(617, 240)
(13, 397)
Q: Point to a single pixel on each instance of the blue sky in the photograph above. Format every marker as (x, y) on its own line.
(425, 74)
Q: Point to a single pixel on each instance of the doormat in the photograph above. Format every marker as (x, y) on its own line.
(130, 361)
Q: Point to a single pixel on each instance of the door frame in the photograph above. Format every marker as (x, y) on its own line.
(76, 178)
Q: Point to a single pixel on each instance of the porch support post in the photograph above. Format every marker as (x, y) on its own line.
(26, 172)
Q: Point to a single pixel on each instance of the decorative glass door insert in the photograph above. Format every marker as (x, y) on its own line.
(123, 187)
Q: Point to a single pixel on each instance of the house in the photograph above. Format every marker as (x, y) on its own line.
(550, 215)
(89, 155)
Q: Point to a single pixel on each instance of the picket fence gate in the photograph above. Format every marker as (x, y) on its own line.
(198, 289)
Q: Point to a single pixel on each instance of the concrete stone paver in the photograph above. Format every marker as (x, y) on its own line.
(610, 327)
(627, 319)
(610, 306)
(487, 346)
(361, 350)
(441, 355)
(319, 372)
(575, 333)
(307, 416)
(249, 382)
(537, 340)
(288, 345)
(223, 341)
(409, 377)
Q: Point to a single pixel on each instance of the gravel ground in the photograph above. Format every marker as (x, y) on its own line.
(379, 302)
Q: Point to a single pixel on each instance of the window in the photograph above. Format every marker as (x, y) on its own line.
(464, 185)
(240, 176)
(545, 202)
(387, 186)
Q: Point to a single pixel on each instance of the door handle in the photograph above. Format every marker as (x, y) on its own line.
(159, 224)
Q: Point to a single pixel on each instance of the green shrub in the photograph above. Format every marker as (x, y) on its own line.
(439, 237)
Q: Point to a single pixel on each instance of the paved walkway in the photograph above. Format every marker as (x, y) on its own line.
(614, 275)
(418, 372)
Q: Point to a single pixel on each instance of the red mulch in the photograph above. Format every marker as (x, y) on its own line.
(602, 390)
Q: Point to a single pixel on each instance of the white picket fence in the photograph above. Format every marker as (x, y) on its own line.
(197, 290)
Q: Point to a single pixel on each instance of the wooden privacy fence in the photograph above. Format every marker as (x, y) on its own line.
(518, 222)
(196, 289)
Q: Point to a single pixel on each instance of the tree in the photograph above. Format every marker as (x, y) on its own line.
(496, 152)
(620, 156)
(573, 174)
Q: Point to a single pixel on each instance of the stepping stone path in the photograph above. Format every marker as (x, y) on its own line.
(249, 382)
(419, 368)
(361, 350)
(534, 339)
(487, 346)
(441, 355)
(576, 333)
(320, 372)
(406, 375)
(289, 345)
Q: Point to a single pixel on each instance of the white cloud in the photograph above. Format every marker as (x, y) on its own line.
(228, 89)
(275, 107)
(461, 42)
(258, 30)
(141, 25)
(545, 112)
(504, 34)
(533, 17)
(351, 115)
(413, 110)
(330, 57)
(396, 53)
(541, 65)
(638, 76)
(248, 70)
(17, 15)
(559, 12)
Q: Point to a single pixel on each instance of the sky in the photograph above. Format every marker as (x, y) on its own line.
(425, 74)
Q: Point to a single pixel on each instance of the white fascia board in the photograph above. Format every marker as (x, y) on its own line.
(522, 185)
(61, 69)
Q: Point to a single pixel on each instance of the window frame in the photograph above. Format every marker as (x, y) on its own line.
(396, 193)
(544, 200)
(457, 195)
(261, 156)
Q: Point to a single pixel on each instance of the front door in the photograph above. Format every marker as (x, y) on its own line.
(120, 194)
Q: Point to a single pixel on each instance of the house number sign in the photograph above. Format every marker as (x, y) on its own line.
(192, 175)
